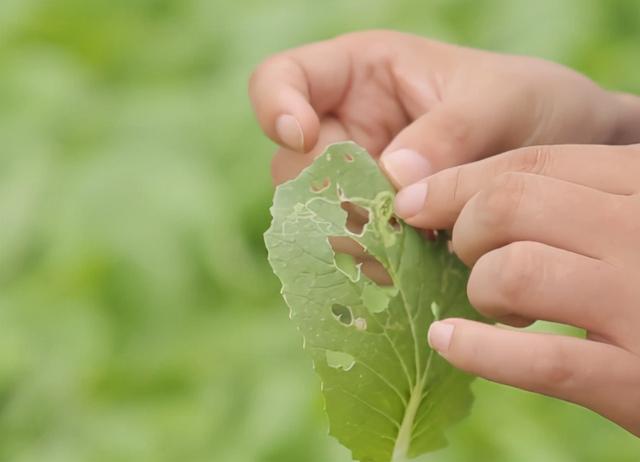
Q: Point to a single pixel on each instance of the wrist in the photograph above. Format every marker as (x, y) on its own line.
(627, 126)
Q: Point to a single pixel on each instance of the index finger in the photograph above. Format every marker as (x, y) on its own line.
(436, 202)
(290, 91)
(576, 370)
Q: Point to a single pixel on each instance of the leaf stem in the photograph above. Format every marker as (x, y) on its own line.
(405, 434)
(403, 440)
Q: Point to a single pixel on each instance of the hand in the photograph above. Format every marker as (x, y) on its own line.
(551, 233)
(427, 105)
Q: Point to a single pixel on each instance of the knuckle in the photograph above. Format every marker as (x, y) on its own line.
(456, 185)
(376, 35)
(551, 369)
(271, 62)
(447, 194)
(498, 204)
(458, 130)
(376, 49)
(477, 291)
(261, 70)
(518, 272)
(535, 159)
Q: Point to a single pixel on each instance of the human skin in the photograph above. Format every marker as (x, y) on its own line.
(552, 233)
(422, 108)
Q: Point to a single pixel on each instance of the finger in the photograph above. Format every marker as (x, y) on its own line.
(292, 90)
(526, 207)
(538, 282)
(450, 189)
(599, 376)
(452, 133)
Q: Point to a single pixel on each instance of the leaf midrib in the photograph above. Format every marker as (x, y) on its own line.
(405, 432)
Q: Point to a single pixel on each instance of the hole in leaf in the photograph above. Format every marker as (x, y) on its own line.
(357, 217)
(369, 265)
(394, 224)
(320, 185)
(348, 157)
(374, 270)
(342, 313)
(429, 234)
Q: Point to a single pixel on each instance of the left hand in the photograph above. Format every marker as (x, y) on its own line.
(551, 233)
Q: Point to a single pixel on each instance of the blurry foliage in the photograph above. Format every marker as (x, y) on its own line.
(138, 318)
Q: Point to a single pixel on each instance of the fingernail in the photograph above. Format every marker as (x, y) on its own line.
(410, 200)
(405, 166)
(440, 336)
(290, 132)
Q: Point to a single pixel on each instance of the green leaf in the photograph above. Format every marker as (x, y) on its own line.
(388, 396)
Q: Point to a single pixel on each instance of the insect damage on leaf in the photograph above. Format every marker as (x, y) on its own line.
(388, 396)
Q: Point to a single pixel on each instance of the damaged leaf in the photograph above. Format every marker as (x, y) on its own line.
(388, 396)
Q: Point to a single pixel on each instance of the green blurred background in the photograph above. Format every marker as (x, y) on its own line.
(139, 320)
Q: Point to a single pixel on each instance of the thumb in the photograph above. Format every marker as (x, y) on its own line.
(454, 133)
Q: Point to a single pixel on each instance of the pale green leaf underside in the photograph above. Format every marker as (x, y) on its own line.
(388, 396)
